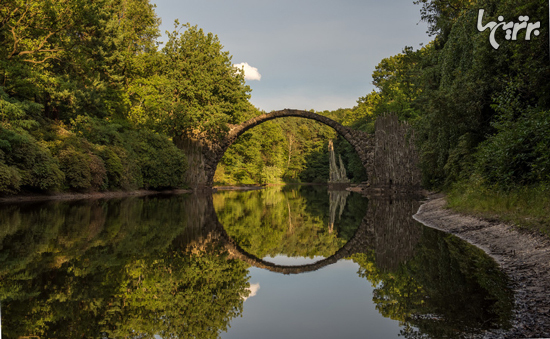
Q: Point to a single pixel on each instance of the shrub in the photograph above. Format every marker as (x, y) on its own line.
(162, 164)
(97, 131)
(113, 166)
(10, 180)
(75, 166)
(45, 173)
(37, 167)
(98, 172)
(518, 153)
(83, 171)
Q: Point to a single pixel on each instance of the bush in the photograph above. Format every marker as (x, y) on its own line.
(37, 168)
(128, 160)
(10, 180)
(162, 164)
(45, 173)
(83, 171)
(113, 166)
(75, 166)
(518, 153)
(97, 131)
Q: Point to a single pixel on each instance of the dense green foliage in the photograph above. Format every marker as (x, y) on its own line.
(88, 100)
(484, 111)
(103, 269)
(289, 150)
(190, 87)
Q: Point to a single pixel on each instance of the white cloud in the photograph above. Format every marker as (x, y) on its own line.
(253, 290)
(250, 73)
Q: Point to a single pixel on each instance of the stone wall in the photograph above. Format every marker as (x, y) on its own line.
(202, 159)
(395, 159)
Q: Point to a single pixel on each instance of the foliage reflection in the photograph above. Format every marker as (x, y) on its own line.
(289, 220)
(434, 284)
(119, 268)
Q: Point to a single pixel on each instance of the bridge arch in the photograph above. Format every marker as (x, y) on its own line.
(360, 239)
(354, 245)
(362, 142)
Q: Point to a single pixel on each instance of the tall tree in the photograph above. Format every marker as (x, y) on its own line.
(191, 87)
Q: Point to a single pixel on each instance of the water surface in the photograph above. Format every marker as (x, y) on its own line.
(290, 261)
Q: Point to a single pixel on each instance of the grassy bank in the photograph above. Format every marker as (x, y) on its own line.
(527, 207)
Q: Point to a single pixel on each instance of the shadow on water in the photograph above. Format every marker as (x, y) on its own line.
(177, 266)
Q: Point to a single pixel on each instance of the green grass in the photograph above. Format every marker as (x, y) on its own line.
(526, 207)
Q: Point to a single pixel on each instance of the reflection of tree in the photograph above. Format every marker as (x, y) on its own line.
(396, 294)
(338, 201)
(113, 269)
(437, 287)
(280, 221)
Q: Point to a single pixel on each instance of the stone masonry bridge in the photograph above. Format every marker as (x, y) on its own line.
(203, 155)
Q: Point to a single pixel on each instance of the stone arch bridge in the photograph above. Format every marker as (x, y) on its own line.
(203, 155)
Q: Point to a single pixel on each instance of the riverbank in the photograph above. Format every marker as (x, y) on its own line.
(524, 256)
(113, 194)
(88, 195)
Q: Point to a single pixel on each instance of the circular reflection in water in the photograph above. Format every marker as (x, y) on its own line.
(292, 221)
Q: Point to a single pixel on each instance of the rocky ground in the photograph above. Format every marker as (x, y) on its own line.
(523, 256)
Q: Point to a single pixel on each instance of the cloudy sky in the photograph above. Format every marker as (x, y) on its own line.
(304, 54)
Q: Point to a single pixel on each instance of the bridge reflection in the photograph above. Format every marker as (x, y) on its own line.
(387, 228)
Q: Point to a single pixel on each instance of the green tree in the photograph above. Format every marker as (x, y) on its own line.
(200, 91)
(72, 56)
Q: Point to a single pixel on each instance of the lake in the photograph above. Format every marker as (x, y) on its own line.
(284, 262)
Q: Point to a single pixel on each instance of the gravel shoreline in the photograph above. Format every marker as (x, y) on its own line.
(523, 256)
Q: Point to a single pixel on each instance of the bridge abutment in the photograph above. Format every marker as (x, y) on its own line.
(202, 160)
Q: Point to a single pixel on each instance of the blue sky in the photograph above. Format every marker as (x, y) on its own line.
(310, 54)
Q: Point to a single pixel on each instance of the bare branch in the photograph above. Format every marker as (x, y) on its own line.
(41, 51)
(15, 42)
(39, 46)
(43, 60)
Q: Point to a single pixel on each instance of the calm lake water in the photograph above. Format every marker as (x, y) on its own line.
(284, 262)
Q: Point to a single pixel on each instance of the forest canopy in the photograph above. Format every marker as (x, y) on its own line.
(90, 100)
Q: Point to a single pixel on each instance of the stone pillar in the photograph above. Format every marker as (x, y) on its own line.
(200, 170)
(395, 157)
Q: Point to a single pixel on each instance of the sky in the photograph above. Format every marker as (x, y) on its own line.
(304, 54)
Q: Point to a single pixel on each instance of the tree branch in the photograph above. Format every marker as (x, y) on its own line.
(42, 61)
